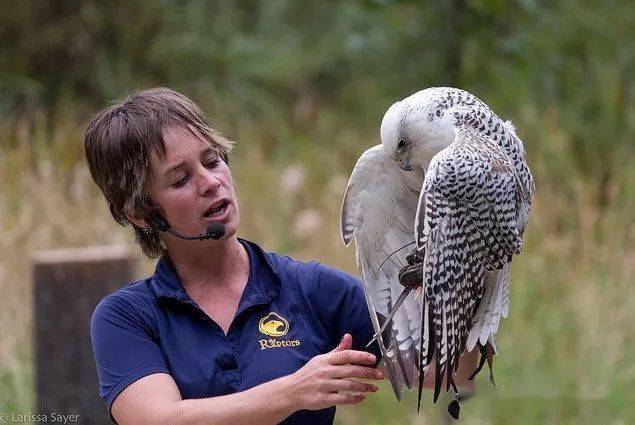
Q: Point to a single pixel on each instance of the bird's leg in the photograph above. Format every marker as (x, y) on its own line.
(487, 353)
(490, 360)
(481, 362)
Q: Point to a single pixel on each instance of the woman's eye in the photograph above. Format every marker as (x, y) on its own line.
(180, 182)
(211, 164)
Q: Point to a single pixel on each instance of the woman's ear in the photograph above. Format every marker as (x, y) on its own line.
(147, 216)
(137, 220)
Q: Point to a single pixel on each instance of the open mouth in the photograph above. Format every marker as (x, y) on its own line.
(217, 209)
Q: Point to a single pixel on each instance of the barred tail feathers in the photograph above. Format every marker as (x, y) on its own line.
(453, 281)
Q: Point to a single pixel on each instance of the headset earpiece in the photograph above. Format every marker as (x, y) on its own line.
(157, 222)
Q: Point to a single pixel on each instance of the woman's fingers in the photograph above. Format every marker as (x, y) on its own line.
(351, 356)
(345, 344)
(355, 371)
(339, 398)
(350, 385)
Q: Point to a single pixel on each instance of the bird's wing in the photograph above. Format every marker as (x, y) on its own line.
(378, 214)
(466, 227)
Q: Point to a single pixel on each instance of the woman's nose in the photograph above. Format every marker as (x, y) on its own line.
(208, 180)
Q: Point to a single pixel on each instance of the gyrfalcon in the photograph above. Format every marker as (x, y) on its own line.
(450, 178)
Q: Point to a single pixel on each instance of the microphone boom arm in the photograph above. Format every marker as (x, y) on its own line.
(215, 230)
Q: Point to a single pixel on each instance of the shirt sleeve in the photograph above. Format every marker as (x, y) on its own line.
(123, 346)
(341, 307)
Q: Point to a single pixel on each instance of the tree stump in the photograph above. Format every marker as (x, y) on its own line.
(68, 285)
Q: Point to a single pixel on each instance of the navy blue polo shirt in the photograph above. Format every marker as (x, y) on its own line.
(289, 312)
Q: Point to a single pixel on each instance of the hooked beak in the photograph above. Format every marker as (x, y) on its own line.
(404, 164)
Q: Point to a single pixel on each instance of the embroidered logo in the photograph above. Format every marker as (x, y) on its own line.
(274, 325)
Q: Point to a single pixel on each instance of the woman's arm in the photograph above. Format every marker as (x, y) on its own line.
(155, 399)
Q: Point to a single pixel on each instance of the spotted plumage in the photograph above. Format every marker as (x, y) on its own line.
(467, 223)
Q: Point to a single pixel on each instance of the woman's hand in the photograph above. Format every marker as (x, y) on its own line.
(326, 380)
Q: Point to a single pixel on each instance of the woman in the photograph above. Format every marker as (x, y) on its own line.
(222, 332)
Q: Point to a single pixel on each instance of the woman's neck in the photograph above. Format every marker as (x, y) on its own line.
(216, 263)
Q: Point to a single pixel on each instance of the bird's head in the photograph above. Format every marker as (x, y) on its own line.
(411, 135)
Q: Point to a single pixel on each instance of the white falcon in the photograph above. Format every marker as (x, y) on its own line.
(450, 178)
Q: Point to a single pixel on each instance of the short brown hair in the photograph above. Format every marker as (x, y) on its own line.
(119, 141)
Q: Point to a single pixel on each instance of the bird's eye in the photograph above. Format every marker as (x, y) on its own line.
(401, 144)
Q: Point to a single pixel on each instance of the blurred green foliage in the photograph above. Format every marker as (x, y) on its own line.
(306, 84)
(284, 64)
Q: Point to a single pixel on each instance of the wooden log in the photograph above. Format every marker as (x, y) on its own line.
(68, 284)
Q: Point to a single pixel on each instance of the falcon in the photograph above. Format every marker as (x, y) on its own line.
(451, 182)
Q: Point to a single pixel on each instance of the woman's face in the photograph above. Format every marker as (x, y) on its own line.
(192, 185)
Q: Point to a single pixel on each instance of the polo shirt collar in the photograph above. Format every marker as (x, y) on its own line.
(262, 286)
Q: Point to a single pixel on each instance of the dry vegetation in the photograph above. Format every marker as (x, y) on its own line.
(567, 347)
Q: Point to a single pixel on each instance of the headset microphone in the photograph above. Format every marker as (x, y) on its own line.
(215, 229)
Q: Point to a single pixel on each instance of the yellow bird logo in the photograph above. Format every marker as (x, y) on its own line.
(273, 325)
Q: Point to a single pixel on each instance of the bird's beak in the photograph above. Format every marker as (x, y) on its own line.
(404, 164)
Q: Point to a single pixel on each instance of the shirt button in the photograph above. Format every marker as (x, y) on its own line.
(227, 362)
